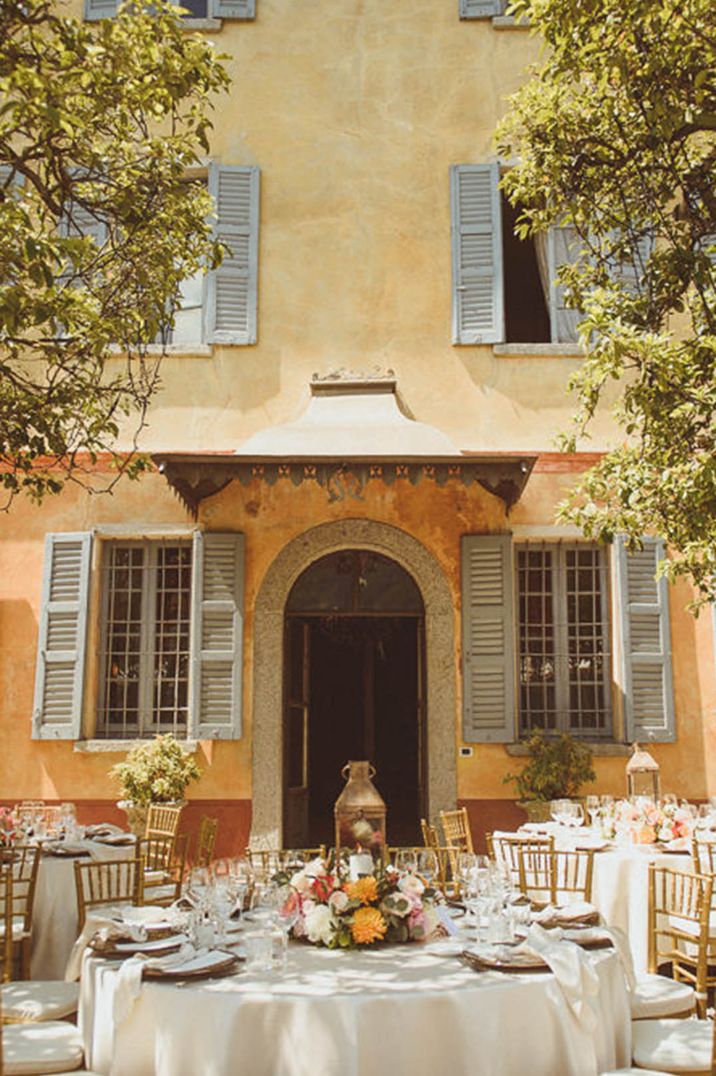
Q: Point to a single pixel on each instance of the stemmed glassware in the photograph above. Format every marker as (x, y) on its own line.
(592, 806)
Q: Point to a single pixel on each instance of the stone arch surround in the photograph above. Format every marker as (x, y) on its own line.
(441, 687)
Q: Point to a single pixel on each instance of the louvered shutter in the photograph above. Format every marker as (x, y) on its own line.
(563, 248)
(232, 287)
(488, 648)
(478, 307)
(83, 223)
(59, 680)
(480, 9)
(232, 9)
(100, 9)
(217, 636)
(629, 273)
(645, 643)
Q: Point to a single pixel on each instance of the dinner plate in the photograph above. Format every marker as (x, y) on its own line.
(201, 966)
(116, 949)
(502, 958)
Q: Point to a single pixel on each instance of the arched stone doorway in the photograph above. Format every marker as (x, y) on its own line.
(268, 659)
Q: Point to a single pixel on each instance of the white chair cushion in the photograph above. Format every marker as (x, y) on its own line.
(30, 1001)
(18, 928)
(632, 1072)
(41, 1048)
(673, 1046)
(655, 997)
(157, 894)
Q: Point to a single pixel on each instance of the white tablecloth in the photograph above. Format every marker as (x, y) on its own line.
(54, 915)
(396, 1010)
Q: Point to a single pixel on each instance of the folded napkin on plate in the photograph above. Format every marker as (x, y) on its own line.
(571, 967)
(65, 848)
(129, 977)
(102, 829)
(579, 911)
(116, 839)
(105, 928)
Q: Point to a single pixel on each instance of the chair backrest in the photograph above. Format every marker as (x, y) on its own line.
(430, 834)
(205, 841)
(109, 881)
(156, 851)
(679, 911)
(704, 855)
(166, 856)
(24, 867)
(162, 820)
(6, 923)
(506, 849)
(456, 828)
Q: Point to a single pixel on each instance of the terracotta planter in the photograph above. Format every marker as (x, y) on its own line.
(136, 817)
(536, 810)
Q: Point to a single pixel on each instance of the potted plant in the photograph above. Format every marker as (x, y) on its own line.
(557, 767)
(157, 771)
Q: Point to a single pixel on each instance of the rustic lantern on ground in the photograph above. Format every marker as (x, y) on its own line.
(642, 774)
(360, 819)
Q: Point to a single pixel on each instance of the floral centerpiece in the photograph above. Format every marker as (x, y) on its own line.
(387, 906)
(8, 829)
(646, 821)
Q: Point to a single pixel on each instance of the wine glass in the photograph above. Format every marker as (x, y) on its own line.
(559, 810)
(406, 859)
(592, 805)
(198, 884)
(427, 865)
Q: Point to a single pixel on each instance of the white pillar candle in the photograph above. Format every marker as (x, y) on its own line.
(360, 863)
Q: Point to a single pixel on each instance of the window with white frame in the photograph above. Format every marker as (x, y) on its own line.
(144, 650)
(563, 631)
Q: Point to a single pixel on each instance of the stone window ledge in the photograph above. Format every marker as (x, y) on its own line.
(559, 351)
(509, 22)
(89, 747)
(201, 24)
(599, 748)
(178, 350)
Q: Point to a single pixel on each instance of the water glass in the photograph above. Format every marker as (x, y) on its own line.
(259, 945)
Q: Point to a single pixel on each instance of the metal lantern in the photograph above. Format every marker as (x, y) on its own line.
(642, 774)
(360, 819)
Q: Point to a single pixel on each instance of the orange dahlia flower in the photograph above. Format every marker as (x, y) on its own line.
(368, 926)
(365, 890)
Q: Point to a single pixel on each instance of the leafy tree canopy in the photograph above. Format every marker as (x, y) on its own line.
(615, 133)
(100, 126)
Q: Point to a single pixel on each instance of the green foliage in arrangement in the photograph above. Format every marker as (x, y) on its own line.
(615, 134)
(157, 771)
(100, 222)
(556, 768)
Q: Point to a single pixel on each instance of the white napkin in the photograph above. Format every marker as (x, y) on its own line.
(571, 967)
(576, 912)
(129, 977)
(104, 927)
(621, 944)
(103, 829)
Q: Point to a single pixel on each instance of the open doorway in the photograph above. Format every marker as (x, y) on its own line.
(353, 689)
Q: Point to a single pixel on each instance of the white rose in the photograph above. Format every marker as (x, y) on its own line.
(301, 882)
(316, 868)
(411, 886)
(338, 901)
(319, 924)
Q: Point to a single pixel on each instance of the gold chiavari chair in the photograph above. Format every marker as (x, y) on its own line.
(108, 882)
(505, 848)
(680, 930)
(164, 867)
(6, 925)
(555, 876)
(206, 841)
(704, 856)
(162, 820)
(457, 835)
(24, 865)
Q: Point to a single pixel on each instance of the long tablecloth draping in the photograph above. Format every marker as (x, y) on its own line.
(54, 915)
(399, 1010)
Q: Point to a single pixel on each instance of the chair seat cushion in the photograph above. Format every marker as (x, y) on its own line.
(673, 1045)
(632, 1072)
(160, 894)
(25, 1001)
(18, 928)
(655, 996)
(41, 1048)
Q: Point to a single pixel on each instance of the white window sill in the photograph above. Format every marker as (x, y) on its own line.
(187, 350)
(599, 748)
(560, 351)
(509, 22)
(91, 747)
(201, 24)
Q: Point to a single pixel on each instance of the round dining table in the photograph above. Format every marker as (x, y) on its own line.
(418, 1010)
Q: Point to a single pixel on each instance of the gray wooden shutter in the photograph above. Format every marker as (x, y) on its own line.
(232, 9)
(563, 248)
(477, 300)
(629, 273)
(645, 643)
(83, 223)
(59, 680)
(217, 636)
(233, 286)
(488, 647)
(100, 9)
(480, 9)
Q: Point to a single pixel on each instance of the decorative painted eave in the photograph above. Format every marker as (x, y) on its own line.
(353, 430)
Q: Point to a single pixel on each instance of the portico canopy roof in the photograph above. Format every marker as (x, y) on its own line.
(353, 430)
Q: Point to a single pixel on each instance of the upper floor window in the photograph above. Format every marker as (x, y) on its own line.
(564, 674)
(196, 9)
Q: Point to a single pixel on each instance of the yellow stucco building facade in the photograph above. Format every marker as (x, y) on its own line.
(348, 547)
